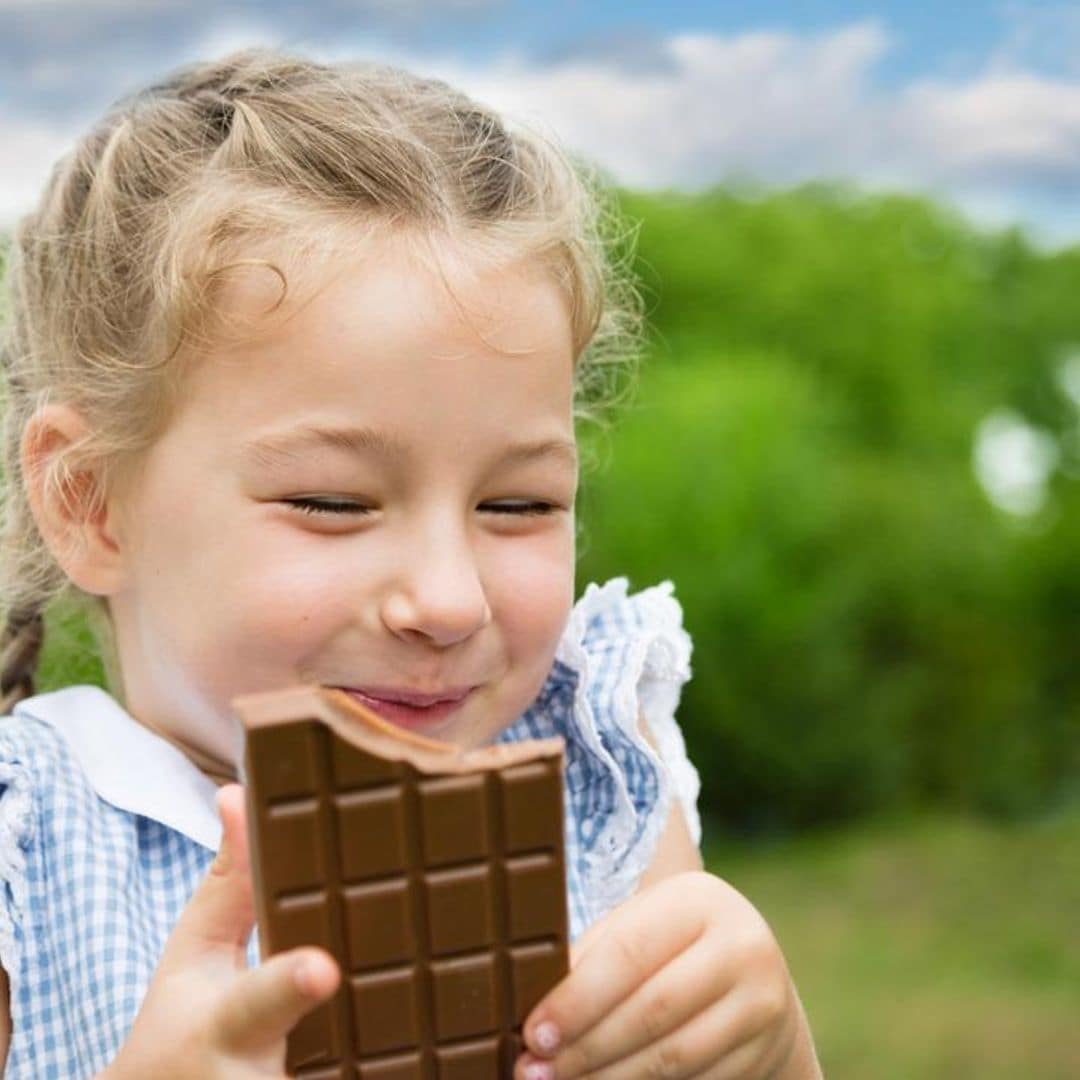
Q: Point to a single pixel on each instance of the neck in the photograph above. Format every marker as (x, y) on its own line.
(219, 771)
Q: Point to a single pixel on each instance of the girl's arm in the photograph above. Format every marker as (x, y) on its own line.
(675, 853)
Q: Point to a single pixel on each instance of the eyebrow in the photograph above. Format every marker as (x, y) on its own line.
(277, 450)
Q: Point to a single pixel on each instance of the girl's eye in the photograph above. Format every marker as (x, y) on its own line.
(327, 506)
(522, 509)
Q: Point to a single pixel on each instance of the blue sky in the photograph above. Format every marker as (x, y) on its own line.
(977, 103)
(956, 37)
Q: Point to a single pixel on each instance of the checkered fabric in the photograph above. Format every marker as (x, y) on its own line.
(89, 892)
(621, 659)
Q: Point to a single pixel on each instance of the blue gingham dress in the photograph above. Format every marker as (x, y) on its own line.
(101, 847)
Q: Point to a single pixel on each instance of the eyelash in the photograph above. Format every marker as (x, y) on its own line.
(325, 506)
(329, 506)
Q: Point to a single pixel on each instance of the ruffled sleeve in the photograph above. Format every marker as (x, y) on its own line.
(622, 659)
(16, 827)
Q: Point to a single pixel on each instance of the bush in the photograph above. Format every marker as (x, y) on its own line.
(869, 630)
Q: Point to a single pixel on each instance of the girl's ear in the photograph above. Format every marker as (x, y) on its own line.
(68, 501)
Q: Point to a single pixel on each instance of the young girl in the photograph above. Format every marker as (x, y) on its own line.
(293, 362)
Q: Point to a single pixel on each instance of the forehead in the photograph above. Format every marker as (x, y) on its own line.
(443, 286)
(383, 338)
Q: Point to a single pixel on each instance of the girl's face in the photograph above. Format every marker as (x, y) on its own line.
(376, 493)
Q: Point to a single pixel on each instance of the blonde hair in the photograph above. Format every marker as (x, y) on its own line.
(119, 266)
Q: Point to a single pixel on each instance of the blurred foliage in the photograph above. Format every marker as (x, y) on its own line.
(870, 630)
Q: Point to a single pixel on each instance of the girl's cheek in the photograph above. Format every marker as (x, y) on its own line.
(531, 582)
(319, 581)
(285, 595)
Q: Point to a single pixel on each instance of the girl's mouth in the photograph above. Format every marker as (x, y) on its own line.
(419, 712)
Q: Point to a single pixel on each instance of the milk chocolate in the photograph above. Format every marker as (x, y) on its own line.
(435, 876)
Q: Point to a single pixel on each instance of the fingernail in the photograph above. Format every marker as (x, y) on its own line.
(546, 1038)
(539, 1070)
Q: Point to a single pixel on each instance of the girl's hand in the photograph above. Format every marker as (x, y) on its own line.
(685, 979)
(205, 1015)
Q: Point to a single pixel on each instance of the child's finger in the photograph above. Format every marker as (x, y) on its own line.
(586, 942)
(638, 939)
(264, 1004)
(680, 990)
(711, 1044)
(221, 913)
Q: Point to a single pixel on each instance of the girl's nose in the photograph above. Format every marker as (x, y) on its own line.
(439, 596)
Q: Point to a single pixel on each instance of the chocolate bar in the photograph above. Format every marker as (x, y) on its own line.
(434, 875)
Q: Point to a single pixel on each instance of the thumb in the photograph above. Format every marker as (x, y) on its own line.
(221, 913)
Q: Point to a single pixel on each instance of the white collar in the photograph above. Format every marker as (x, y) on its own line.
(127, 764)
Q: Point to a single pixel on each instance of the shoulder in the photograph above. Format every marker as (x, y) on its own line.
(32, 764)
(39, 779)
(33, 759)
(91, 889)
(630, 657)
(619, 670)
(48, 805)
(609, 614)
(26, 741)
(36, 761)
(629, 652)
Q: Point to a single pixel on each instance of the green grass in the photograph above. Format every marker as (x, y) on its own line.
(929, 949)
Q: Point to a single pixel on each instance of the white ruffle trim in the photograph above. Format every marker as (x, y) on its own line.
(16, 816)
(657, 666)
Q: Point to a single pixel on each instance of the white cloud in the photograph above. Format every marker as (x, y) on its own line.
(759, 101)
(1004, 145)
(783, 107)
(1006, 122)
